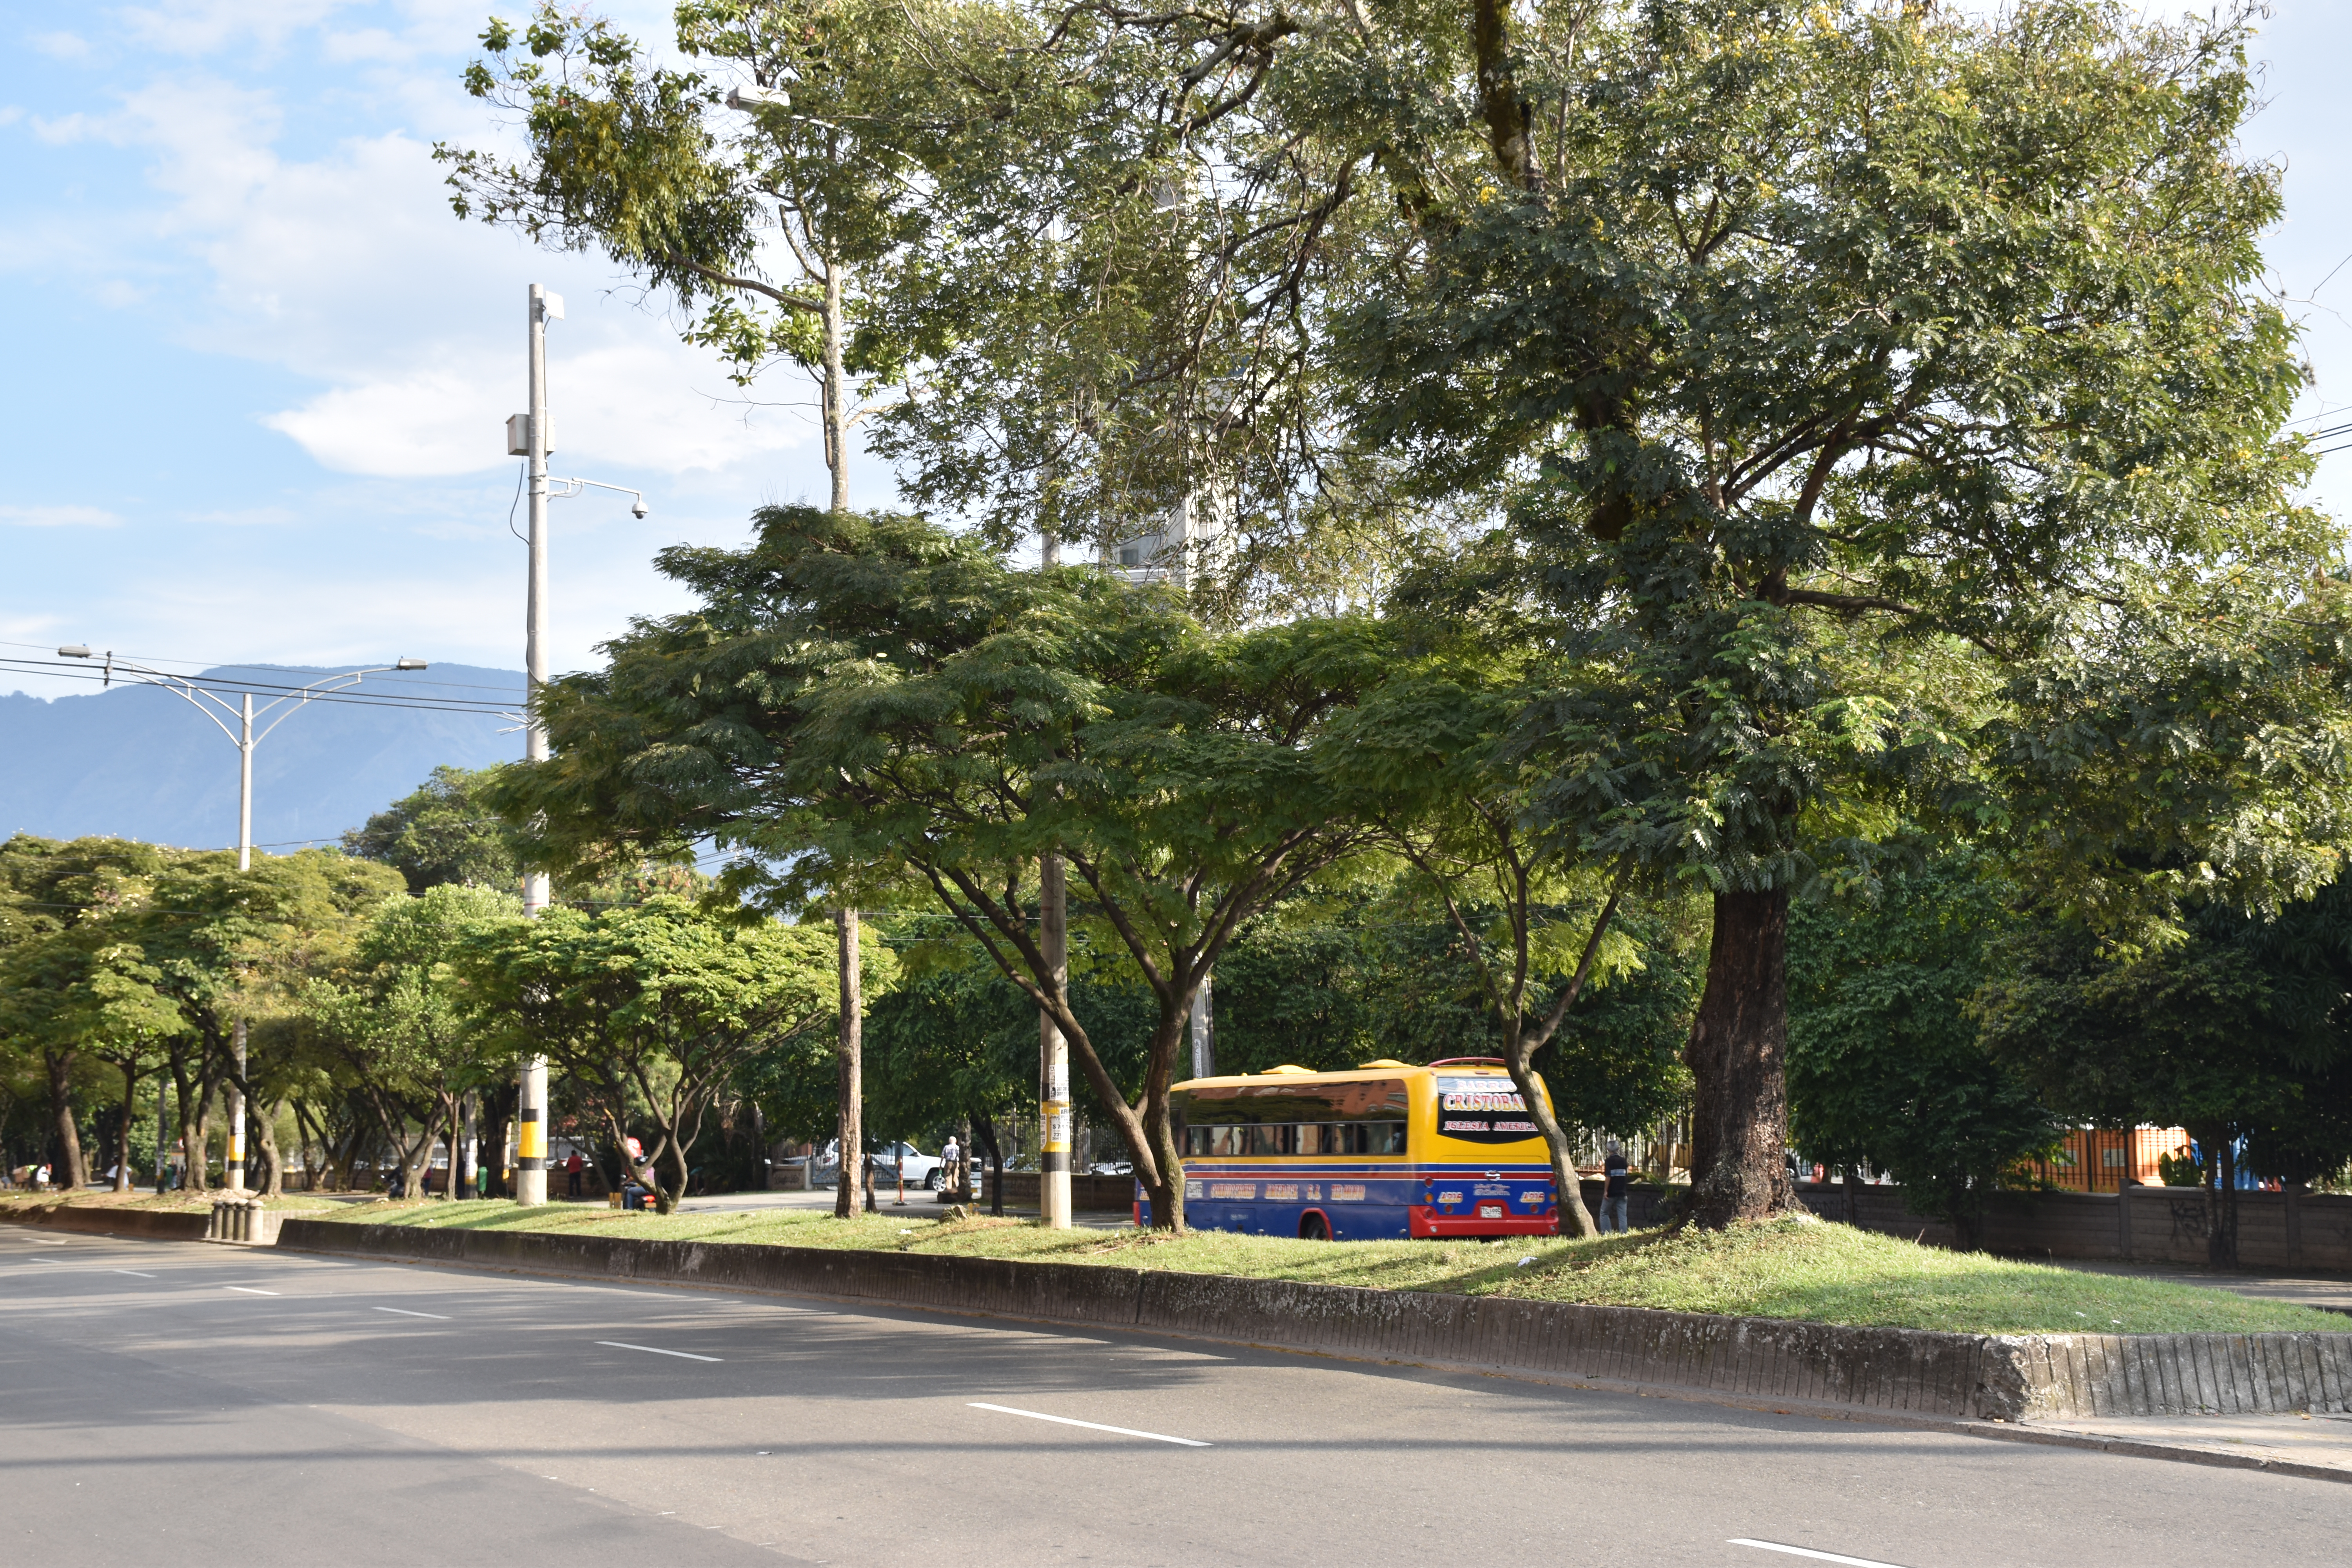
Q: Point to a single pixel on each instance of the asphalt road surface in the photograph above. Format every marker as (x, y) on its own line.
(181, 1404)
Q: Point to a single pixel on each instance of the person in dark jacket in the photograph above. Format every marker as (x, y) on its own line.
(1616, 1189)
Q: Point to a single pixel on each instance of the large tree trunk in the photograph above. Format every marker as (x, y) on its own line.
(265, 1142)
(123, 1129)
(984, 1129)
(70, 1169)
(1739, 1100)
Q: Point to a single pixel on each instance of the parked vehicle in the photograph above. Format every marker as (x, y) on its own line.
(1386, 1151)
(921, 1169)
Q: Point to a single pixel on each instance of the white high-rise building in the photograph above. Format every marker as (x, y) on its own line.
(1195, 536)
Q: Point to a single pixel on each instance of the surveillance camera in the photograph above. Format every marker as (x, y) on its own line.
(639, 509)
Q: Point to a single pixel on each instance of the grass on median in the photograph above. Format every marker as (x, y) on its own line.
(17, 1205)
(1795, 1267)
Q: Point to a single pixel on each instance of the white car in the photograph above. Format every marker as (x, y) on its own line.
(921, 1169)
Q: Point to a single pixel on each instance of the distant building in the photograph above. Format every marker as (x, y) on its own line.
(1195, 536)
(2099, 1159)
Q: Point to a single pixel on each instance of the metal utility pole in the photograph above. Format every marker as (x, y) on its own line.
(531, 1116)
(1204, 1043)
(243, 738)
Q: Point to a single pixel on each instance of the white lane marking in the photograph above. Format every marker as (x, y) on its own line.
(657, 1350)
(405, 1313)
(1808, 1551)
(1092, 1425)
(250, 1290)
(134, 1273)
(44, 1241)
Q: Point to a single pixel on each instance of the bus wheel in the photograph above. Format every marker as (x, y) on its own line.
(1312, 1229)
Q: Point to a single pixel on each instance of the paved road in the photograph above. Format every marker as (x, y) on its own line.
(193, 1404)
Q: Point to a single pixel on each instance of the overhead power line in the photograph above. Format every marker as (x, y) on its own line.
(481, 707)
(202, 665)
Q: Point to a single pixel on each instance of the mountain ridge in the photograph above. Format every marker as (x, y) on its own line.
(140, 762)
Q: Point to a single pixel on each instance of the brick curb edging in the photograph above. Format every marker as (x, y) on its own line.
(1974, 1378)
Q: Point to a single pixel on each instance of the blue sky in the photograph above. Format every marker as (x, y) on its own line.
(258, 372)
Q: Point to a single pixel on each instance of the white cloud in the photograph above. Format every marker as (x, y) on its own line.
(248, 517)
(622, 407)
(61, 45)
(59, 517)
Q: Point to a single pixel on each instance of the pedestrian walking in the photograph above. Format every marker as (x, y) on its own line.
(572, 1169)
(1616, 1189)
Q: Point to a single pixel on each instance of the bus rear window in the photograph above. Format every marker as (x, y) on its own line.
(1483, 1110)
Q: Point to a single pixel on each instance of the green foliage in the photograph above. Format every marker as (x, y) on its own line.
(651, 1010)
(441, 833)
(871, 700)
(2238, 1031)
(1885, 1068)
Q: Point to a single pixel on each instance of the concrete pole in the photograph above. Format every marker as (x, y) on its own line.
(162, 1134)
(235, 1172)
(1204, 1040)
(245, 797)
(530, 1115)
(1054, 1050)
(851, 1127)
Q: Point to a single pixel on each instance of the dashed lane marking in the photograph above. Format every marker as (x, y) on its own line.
(1808, 1551)
(1091, 1425)
(656, 1350)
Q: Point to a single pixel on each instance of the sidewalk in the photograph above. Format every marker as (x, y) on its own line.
(2317, 1445)
(2329, 1293)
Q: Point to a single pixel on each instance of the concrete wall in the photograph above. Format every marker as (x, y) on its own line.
(1094, 1194)
(2002, 1377)
(2143, 1225)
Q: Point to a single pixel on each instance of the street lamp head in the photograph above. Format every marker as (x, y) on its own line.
(410, 664)
(73, 650)
(752, 97)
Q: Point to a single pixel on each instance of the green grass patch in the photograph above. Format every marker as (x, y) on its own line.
(1795, 1267)
(14, 1205)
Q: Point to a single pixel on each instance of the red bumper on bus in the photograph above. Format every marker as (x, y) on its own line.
(1423, 1220)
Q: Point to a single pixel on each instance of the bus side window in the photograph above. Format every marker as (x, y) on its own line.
(1387, 1137)
(1269, 1139)
(1196, 1141)
(1225, 1140)
(1311, 1137)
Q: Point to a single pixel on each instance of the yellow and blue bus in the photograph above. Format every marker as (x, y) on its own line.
(1386, 1151)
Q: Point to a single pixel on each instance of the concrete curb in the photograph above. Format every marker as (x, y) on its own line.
(154, 1224)
(1997, 1378)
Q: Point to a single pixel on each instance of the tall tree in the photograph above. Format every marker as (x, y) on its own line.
(1799, 339)
(1887, 1067)
(439, 834)
(900, 698)
(652, 1009)
(2239, 1030)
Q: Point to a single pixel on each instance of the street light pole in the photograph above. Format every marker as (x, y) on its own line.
(531, 1113)
(245, 740)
